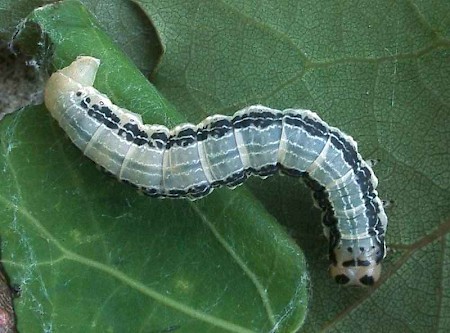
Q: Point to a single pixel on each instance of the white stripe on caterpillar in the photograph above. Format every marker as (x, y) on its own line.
(191, 160)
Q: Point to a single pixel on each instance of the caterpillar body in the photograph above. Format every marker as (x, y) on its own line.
(189, 161)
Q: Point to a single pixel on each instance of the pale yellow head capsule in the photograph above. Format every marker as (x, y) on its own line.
(356, 275)
(357, 264)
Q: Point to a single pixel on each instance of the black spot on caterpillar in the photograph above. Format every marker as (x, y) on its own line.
(189, 161)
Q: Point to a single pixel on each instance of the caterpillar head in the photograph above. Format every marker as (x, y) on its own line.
(362, 276)
(357, 265)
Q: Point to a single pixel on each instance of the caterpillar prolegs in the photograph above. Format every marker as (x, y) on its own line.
(189, 161)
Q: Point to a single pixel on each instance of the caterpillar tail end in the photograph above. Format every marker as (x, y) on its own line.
(83, 70)
(80, 73)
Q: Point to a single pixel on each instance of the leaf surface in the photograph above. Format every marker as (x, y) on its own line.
(90, 254)
(380, 71)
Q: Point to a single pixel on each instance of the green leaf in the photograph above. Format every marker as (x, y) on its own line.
(91, 255)
(12, 13)
(122, 20)
(378, 70)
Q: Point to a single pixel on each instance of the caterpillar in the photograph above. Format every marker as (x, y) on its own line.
(189, 161)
